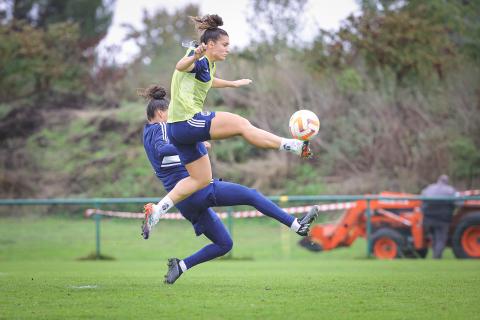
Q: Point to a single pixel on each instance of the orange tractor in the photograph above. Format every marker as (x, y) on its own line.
(396, 228)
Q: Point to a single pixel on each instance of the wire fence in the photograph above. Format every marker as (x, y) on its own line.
(102, 207)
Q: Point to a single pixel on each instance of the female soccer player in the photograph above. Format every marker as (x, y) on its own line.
(188, 126)
(196, 208)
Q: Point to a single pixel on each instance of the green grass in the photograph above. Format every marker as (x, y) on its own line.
(78, 156)
(40, 277)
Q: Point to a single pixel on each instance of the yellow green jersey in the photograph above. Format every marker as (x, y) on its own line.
(189, 89)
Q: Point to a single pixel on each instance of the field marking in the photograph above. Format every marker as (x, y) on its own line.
(93, 286)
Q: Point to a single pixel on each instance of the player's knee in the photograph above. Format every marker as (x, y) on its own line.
(244, 125)
(248, 196)
(202, 182)
(254, 194)
(226, 245)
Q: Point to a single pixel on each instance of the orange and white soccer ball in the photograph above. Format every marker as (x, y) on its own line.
(304, 125)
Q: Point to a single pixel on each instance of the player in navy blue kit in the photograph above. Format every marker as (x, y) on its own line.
(197, 208)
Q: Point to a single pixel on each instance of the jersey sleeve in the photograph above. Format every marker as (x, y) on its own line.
(200, 68)
(165, 149)
(162, 147)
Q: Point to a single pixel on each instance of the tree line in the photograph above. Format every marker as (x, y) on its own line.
(396, 86)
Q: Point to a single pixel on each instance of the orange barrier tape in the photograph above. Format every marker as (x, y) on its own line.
(243, 214)
(469, 193)
(222, 215)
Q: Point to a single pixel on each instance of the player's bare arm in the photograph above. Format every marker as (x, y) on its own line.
(220, 83)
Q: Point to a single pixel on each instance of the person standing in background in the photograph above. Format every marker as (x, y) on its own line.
(438, 214)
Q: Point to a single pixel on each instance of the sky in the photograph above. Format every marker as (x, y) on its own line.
(325, 14)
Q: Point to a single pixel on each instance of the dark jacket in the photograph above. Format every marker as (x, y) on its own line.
(438, 210)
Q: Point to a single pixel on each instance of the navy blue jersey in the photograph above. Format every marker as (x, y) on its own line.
(163, 156)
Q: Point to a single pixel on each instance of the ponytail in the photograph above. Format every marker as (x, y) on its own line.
(157, 101)
(208, 27)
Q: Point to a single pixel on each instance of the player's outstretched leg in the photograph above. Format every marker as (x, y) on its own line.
(230, 194)
(174, 271)
(307, 220)
(226, 125)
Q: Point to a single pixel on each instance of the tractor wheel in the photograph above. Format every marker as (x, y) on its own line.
(387, 244)
(466, 238)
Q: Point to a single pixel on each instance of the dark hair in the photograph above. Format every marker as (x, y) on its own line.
(157, 101)
(208, 27)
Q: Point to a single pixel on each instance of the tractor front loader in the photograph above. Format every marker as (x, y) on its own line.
(396, 229)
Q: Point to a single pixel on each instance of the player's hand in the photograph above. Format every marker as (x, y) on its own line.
(200, 51)
(241, 82)
(207, 144)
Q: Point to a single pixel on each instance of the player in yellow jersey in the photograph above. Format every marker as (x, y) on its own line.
(188, 126)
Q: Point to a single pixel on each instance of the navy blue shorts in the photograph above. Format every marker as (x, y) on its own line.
(187, 136)
(196, 208)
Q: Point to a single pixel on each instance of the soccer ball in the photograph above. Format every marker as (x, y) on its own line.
(304, 125)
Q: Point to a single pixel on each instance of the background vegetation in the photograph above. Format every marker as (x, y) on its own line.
(397, 89)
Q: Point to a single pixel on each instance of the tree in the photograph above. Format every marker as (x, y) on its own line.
(47, 48)
(159, 41)
(276, 22)
(38, 63)
(413, 38)
(92, 16)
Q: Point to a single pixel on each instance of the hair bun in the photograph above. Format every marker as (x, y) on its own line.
(158, 94)
(209, 21)
(155, 92)
(214, 20)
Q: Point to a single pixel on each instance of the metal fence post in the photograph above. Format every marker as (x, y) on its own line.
(230, 227)
(369, 230)
(284, 231)
(97, 233)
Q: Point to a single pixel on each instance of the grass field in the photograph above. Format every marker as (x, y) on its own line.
(268, 277)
